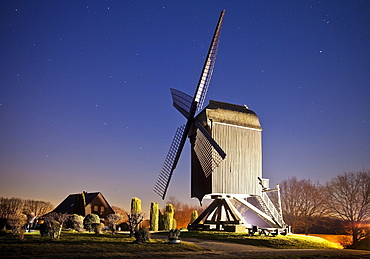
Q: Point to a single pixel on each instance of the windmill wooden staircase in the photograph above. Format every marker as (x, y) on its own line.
(269, 208)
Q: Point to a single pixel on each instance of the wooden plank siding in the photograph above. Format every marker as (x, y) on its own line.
(239, 172)
(238, 132)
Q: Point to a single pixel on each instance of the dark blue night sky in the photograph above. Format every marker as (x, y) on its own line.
(85, 101)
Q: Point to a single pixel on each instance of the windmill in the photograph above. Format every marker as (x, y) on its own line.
(230, 181)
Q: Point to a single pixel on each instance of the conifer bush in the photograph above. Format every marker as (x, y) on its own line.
(135, 205)
(194, 216)
(168, 220)
(154, 216)
(80, 204)
(161, 220)
(135, 217)
(174, 224)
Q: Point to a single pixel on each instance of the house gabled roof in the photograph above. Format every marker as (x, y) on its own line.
(67, 205)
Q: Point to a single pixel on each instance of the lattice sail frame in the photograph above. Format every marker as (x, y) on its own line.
(162, 182)
(207, 155)
(208, 68)
(188, 106)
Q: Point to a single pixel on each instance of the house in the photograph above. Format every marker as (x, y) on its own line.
(85, 203)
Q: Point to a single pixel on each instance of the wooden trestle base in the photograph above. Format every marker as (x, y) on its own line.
(220, 214)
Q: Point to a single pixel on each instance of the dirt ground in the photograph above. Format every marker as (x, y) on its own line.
(232, 250)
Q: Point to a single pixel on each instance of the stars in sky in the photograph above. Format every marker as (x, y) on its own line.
(85, 89)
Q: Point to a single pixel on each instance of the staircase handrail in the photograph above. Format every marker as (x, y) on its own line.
(272, 209)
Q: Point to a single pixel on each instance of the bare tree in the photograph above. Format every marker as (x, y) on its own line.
(348, 197)
(134, 221)
(15, 206)
(8, 208)
(313, 204)
(113, 220)
(302, 203)
(39, 208)
(34, 210)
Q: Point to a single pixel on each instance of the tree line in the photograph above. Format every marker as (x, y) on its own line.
(345, 199)
(11, 208)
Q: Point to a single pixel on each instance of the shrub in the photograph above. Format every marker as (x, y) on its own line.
(346, 241)
(44, 230)
(98, 227)
(124, 226)
(142, 235)
(17, 223)
(53, 228)
(54, 223)
(89, 220)
(76, 222)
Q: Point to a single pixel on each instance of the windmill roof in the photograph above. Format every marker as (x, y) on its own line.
(232, 114)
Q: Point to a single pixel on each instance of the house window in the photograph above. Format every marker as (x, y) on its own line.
(101, 209)
(96, 208)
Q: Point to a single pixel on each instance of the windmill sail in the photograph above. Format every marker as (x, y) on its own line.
(182, 102)
(170, 163)
(209, 64)
(187, 106)
(208, 156)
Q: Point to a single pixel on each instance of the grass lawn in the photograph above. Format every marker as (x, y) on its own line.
(82, 245)
(279, 242)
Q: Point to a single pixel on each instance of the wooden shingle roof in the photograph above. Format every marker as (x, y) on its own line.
(230, 114)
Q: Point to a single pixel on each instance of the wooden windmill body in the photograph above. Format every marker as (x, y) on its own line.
(238, 131)
(226, 157)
